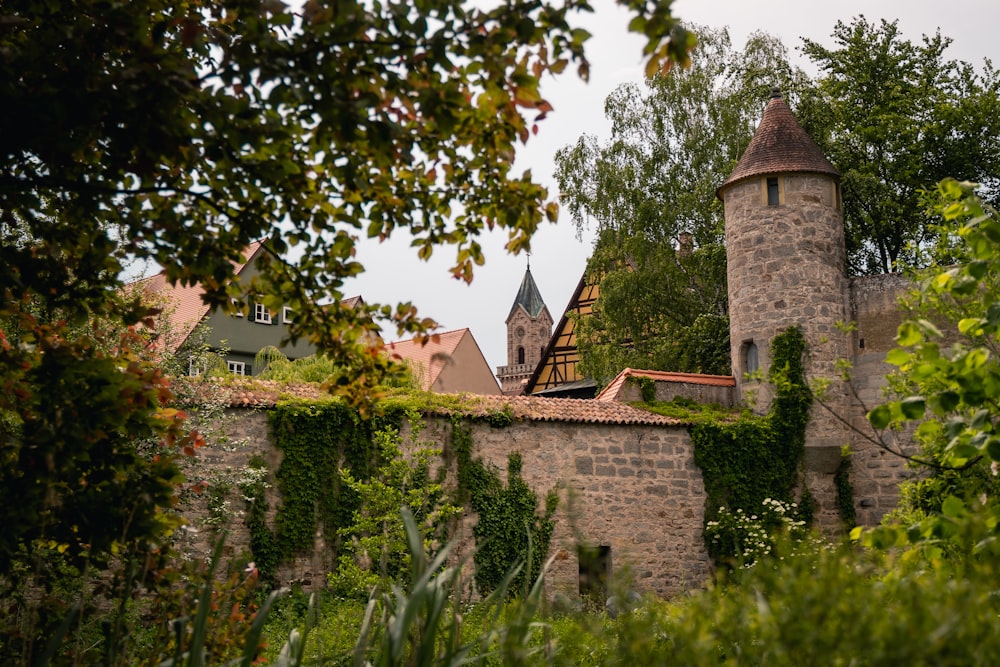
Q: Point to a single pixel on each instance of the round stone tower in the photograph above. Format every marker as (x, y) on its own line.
(786, 261)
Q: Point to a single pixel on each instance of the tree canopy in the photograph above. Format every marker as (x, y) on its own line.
(179, 132)
(650, 191)
(896, 117)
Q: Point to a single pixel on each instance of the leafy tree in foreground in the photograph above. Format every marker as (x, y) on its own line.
(179, 132)
(650, 190)
(947, 379)
(895, 118)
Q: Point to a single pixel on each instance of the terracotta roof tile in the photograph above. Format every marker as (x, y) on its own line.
(183, 306)
(610, 393)
(779, 145)
(430, 358)
(261, 394)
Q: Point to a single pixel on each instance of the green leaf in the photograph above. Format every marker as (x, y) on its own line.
(952, 507)
(908, 335)
(898, 357)
(913, 407)
(880, 416)
(971, 326)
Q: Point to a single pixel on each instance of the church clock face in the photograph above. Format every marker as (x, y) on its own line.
(520, 332)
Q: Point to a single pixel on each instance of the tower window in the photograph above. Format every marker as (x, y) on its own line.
(772, 191)
(751, 363)
(520, 355)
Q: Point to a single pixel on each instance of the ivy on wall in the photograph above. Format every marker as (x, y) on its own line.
(329, 452)
(756, 458)
(317, 440)
(509, 529)
(845, 490)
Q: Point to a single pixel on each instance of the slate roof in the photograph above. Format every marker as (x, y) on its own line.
(528, 297)
(779, 145)
(610, 393)
(262, 394)
(428, 360)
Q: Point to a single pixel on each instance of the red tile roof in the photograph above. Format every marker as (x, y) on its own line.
(779, 145)
(182, 305)
(610, 393)
(427, 359)
(261, 394)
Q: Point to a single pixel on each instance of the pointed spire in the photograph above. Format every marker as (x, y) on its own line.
(779, 145)
(528, 296)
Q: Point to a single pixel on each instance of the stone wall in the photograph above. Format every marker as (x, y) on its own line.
(632, 488)
(876, 473)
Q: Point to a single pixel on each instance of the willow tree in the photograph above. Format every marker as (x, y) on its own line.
(650, 191)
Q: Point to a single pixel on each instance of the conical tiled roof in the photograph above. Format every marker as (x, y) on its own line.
(528, 297)
(779, 145)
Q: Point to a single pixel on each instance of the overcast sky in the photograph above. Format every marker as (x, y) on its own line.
(558, 258)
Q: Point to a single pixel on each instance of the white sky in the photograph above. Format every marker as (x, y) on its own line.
(558, 259)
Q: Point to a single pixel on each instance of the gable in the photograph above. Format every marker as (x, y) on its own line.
(560, 359)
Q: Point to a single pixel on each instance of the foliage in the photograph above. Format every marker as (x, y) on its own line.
(650, 190)
(180, 132)
(265, 551)
(751, 537)
(77, 474)
(322, 369)
(422, 626)
(690, 410)
(895, 118)
(317, 440)
(374, 549)
(845, 489)
(509, 528)
(756, 458)
(946, 382)
(155, 608)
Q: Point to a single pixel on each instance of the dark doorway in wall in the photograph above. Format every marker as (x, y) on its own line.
(595, 571)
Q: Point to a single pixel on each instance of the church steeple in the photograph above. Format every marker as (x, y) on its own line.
(529, 326)
(528, 297)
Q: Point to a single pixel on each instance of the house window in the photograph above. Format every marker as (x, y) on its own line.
(239, 308)
(751, 362)
(520, 355)
(237, 367)
(261, 313)
(772, 191)
(195, 367)
(595, 570)
(286, 315)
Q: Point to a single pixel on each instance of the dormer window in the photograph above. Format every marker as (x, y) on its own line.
(773, 198)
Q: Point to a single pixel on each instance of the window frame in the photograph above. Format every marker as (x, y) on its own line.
(261, 313)
(237, 367)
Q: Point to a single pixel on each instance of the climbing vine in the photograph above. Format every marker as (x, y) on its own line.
(317, 440)
(757, 458)
(845, 490)
(508, 516)
(336, 464)
(647, 387)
